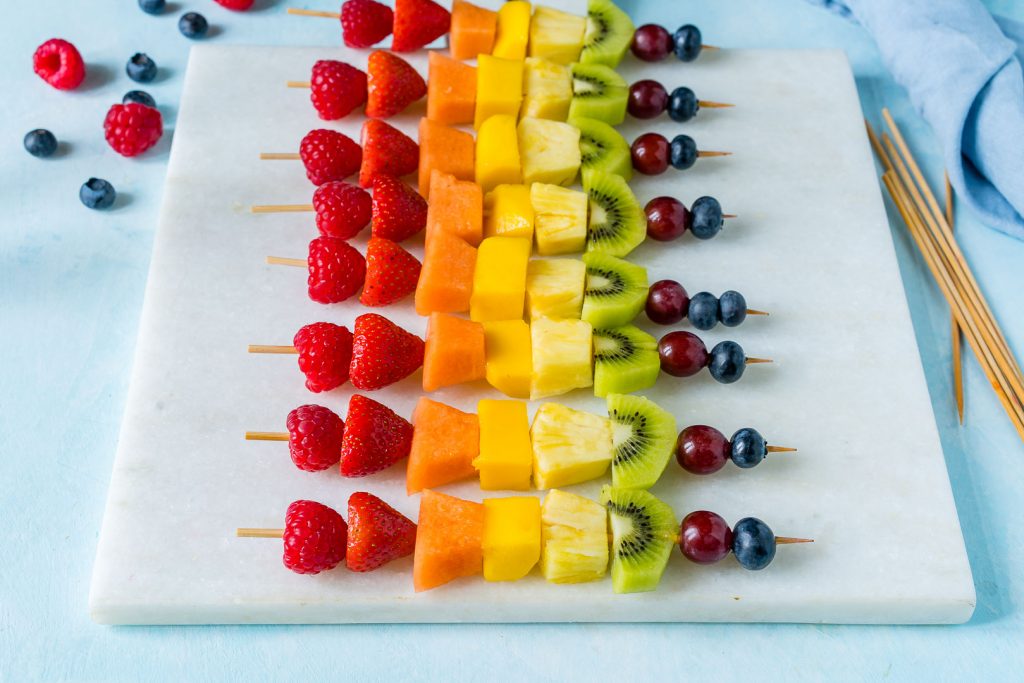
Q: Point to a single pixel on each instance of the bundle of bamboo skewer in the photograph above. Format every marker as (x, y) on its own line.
(932, 231)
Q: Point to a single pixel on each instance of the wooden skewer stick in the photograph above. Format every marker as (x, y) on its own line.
(786, 540)
(710, 47)
(713, 105)
(298, 84)
(281, 208)
(729, 215)
(754, 361)
(754, 311)
(270, 348)
(781, 449)
(266, 436)
(703, 153)
(279, 156)
(282, 261)
(314, 13)
(954, 327)
(259, 533)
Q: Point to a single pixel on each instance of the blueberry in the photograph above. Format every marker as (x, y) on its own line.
(753, 543)
(727, 362)
(97, 193)
(747, 447)
(139, 97)
(707, 218)
(686, 42)
(732, 308)
(151, 6)
(140, 68)
(193, 25)
(683, 152)
(682, 104)
(703, 310)
(40, 143)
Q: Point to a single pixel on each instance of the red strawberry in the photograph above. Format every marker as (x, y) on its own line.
(365, 22)
(382, 353)
(328, 155)
(391, 273)
(398, 210)
(59, 63)
(392, 85)
(375, 438)
(342, 209)
(336, 270)
(314, 437)
(386, 150)
(336, 89)
(132, 128)
(315, 537)
(377, 533)
(418, 23)
(325, 355)
(236, 5)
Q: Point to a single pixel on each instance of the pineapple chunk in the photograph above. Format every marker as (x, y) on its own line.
(499, 88)
(549, 151)
(548, 90)
(559, 219)
(512, 535)
(509, 364)
(569, 446)
(506, 456)
(563, 356)
(513, 30)
(508, 212)
(499, 280)
(497, 153)
(557, 35)
(554, 288)
(574, 531)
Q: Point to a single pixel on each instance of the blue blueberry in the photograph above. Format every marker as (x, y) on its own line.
(727, 362)
(141, 68)
(682, 104)
(40, 143)
(732, 308)
(703, 310)
(707, 218)
(193, 25)
(683, 152)
(152, 6)
(97, 193)
(139, 97)
(747, 447)
(686, 42)
(753, 543)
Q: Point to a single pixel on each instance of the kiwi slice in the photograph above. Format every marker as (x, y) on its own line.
(615, 290)
(617, 223)
(609, 33)
(598, 93)
(602, 148)
(643, 438)
(625, 360)
(643, 532)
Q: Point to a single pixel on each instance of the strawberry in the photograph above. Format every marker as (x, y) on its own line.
(235, 5)
(336, 89)
(398, 210)
(365, 22)
(377, 533)
(329, 155)
(342, 209)
(386, 150)
(325, 355)
(382, 353)
(392, 85)
(418, 23)
(391, 273)
(375, 438)
(336, 270)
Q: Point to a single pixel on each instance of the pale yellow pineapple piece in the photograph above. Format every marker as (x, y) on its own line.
(563, 356)
(569, 446)
(574, 532)
(559, 219)
(549, 151)
(556, 35)
(547, 90)
(554, 288)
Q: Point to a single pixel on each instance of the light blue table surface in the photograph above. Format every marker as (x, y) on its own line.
(71, 286)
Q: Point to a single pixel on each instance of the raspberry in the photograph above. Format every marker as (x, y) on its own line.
(336, 89)
(235, 5)
(342, 210)
(59, 63)
(325, 353)
(315, 537)
(329, 155)
(336, 270)
(365, 22)
(132, 128)
(314, 437)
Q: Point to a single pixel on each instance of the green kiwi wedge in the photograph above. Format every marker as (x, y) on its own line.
(602, 148)
(616, 223)
(609, 33)
(643, 438)
(598, 93)
(643, 534)
(615, 290)
(625, 360)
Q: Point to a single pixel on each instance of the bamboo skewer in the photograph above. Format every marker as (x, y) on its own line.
(314, 13)
(259, 533)
(271, 348)
(266, 436)
(282, 208)
(282, 261)
(954, 326)
(279, 156)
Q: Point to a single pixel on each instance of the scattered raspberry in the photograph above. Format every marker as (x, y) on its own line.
(365, 22)
(336, 270)
(132, 128)
(315, 537)
(235, 5)
(314, 437)
(342, 209)
(377, 533)
(329, 155)
(399, 211)
(382, 353)
(336, 89)
(59, 63)
(418, 23)
(375, 438)
(386, 150)
(391, 273)
(392, 85)
(325, 355)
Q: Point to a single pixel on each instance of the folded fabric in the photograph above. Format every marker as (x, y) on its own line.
(962, 68)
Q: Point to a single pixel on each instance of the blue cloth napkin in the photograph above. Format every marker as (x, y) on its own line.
(962, 68)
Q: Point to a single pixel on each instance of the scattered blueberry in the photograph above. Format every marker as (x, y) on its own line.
(152, 6)
(40, 143)
(97, 193)
(753, 543)
(683, 152)
(139, 97)
(732, 308)
(141, 68)
(193, 25)
(686, 42)
(707, 218)
(682, 104)
(747, 447)
(703, 310)
(727, 361)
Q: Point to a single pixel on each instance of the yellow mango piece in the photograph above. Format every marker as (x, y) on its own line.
(554, 288)
(563, 354)
(499, 281)
(513, 30)
(547, 89)
(512, 537)
(499, 88)
(506, 457)
(497, 153)
(557, 35)
(569, 446)
(508, 212)
(509, 363)
(559, 219)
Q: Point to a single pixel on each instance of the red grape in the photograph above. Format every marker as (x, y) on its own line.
(705, 538)
(667, 218)
(682, 354)
(652, 43)
(667, 302)
(701, 449)
(650, 153)
(647, 99)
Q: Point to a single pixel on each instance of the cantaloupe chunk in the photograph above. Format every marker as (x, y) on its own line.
(445, 442)
(446, 277)
(444, 149)
(449, 540)
(454, 352)
(456, 207)
(472, 30)
(451, 90)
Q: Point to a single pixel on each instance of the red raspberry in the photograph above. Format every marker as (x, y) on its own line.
(336, 270)
(418, 23)
(365, 22)
(398, 210)
(325, 354)
(328, 155)
(59, 63)
(336, 89)
(382, 353)
(375, 438)
(315, 537)
(132, 128)
(314, 437)
(377, 534)
(392, 85)
(235, 5)
(342, 209)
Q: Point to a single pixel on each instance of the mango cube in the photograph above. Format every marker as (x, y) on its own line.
(512, 537)
(513, 30)
(547, 89)
(506, 456)
(549, 151)
(569, 446)
(499, 281)
(557, 35)
(562, 356)
(559, 219)
(554, 288)
(499, 88)
(508, 212)
(497, 153)
(509, 364)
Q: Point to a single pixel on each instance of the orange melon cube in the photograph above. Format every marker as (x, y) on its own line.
(456, 207)
(446, 277)
(472, 30)
(444, 149)
(449, 540)
(445, 441)
(454, 352)
(451, 90)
